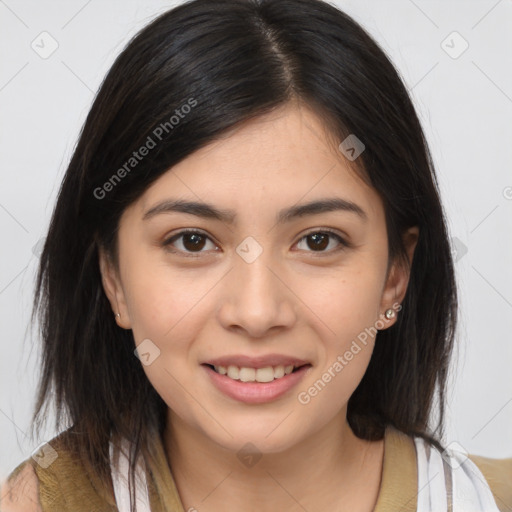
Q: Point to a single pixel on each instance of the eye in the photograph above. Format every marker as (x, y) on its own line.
(188, 242)
(318, 241)
(192, 242)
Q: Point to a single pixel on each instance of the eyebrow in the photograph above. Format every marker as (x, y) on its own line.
(209, 211)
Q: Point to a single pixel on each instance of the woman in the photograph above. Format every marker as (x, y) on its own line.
(247, 293)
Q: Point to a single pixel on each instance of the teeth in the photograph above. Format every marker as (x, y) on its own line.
(264, 374)
(233, 372)
(279, 372)
(245, 374)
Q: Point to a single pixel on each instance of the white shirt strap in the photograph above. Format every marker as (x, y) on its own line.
(120, 480)
(438, 473)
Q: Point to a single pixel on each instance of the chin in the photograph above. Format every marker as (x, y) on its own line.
(257, 437)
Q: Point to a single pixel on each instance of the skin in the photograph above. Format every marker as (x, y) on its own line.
(291, 300)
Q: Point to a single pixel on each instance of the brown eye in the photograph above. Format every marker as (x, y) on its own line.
(193, 242)
(318, 241)
(188, 242)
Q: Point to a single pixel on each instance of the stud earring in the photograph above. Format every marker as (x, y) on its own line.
(390, 313)
(118, 315)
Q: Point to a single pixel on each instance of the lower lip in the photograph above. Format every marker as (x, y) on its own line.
(256, 392)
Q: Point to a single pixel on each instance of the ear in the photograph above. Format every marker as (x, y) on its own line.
(113, 289)
(398, 279)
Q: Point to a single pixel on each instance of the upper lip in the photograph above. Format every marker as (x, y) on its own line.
(256, 362)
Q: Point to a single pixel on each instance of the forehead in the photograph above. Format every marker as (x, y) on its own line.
(279, 159)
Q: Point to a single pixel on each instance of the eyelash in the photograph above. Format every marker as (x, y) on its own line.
(166, 243)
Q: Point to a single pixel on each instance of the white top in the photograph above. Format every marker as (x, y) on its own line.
(447, 482)
(120, 481)
(450, 481)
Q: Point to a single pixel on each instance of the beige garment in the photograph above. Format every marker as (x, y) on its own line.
(68, 485)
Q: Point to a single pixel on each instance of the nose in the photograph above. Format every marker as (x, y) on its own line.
(256, 298)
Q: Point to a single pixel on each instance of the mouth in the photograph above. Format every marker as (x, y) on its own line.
(259, 375)
(256, 385)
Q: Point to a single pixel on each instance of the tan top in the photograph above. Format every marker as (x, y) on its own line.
(67, 485)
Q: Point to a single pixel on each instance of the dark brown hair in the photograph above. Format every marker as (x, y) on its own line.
(237, 60)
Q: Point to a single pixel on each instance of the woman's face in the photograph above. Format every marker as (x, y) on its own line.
(265, 277)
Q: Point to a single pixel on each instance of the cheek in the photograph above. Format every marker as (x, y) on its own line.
(349, 307)
(168, 307)
(160, 297)
(347, 301)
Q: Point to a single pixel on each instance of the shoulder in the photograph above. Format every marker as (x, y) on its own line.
(20, 491)
(56, 479)
(498, 474)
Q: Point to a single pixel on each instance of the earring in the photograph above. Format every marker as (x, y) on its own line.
(390, 313)
(118, 315)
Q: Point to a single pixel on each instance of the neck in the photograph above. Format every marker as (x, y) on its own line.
(331, 466)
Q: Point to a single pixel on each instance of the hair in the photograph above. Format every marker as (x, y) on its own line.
(233, 61)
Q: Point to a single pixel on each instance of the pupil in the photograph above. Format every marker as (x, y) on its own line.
(320, 241)
(193, 241)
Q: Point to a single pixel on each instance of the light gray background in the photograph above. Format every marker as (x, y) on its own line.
(465, 104)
